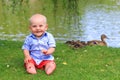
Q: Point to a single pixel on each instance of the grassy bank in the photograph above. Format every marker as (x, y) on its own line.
(88, 63)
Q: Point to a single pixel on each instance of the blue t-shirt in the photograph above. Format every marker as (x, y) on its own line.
(35, 45)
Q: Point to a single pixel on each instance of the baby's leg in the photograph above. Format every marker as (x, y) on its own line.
(50, 67)
(30, 68)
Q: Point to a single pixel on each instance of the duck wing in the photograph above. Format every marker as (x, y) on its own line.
(97, 42)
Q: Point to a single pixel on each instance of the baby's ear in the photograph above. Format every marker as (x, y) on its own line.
(46, 26)
(29, 27)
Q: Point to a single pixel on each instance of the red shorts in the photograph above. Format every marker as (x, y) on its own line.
(41, 65)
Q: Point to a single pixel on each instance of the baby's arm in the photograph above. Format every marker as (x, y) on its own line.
(49, 51)
(27, 56)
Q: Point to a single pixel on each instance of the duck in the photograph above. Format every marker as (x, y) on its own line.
(98, 42)
(76, 44)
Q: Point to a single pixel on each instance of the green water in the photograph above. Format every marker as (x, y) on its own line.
(63, 16)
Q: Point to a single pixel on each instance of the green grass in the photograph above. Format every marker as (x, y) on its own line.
(88, 63)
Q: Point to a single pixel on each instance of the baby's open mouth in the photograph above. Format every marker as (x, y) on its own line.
(38, 31)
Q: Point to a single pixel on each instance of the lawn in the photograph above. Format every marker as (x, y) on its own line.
(88, 63)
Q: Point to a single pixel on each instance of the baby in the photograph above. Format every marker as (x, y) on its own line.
(39, 46)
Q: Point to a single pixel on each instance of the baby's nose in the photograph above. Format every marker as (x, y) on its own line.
(38, 27)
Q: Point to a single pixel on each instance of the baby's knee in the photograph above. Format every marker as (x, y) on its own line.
(30, 68)
(51, 66)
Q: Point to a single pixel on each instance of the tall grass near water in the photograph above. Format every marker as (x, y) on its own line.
(14, 16)
(64, 16)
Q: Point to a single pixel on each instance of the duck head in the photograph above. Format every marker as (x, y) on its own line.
(103, 37)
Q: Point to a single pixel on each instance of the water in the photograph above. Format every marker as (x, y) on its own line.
(99, 21)
(68, 20)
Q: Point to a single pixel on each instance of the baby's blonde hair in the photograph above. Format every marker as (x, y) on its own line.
(40, 16)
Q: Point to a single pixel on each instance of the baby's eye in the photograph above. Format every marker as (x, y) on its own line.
(34, 26)
(40, 25)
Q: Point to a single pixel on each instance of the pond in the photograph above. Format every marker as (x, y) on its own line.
(67, 19)
(100, 21)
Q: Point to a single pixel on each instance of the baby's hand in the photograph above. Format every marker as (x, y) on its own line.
(44, 51)
(26, 60)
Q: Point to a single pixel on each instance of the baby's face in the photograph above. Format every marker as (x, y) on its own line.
(38, 27)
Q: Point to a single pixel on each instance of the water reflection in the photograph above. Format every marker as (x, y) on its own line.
(68, 19)
(98, 21)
